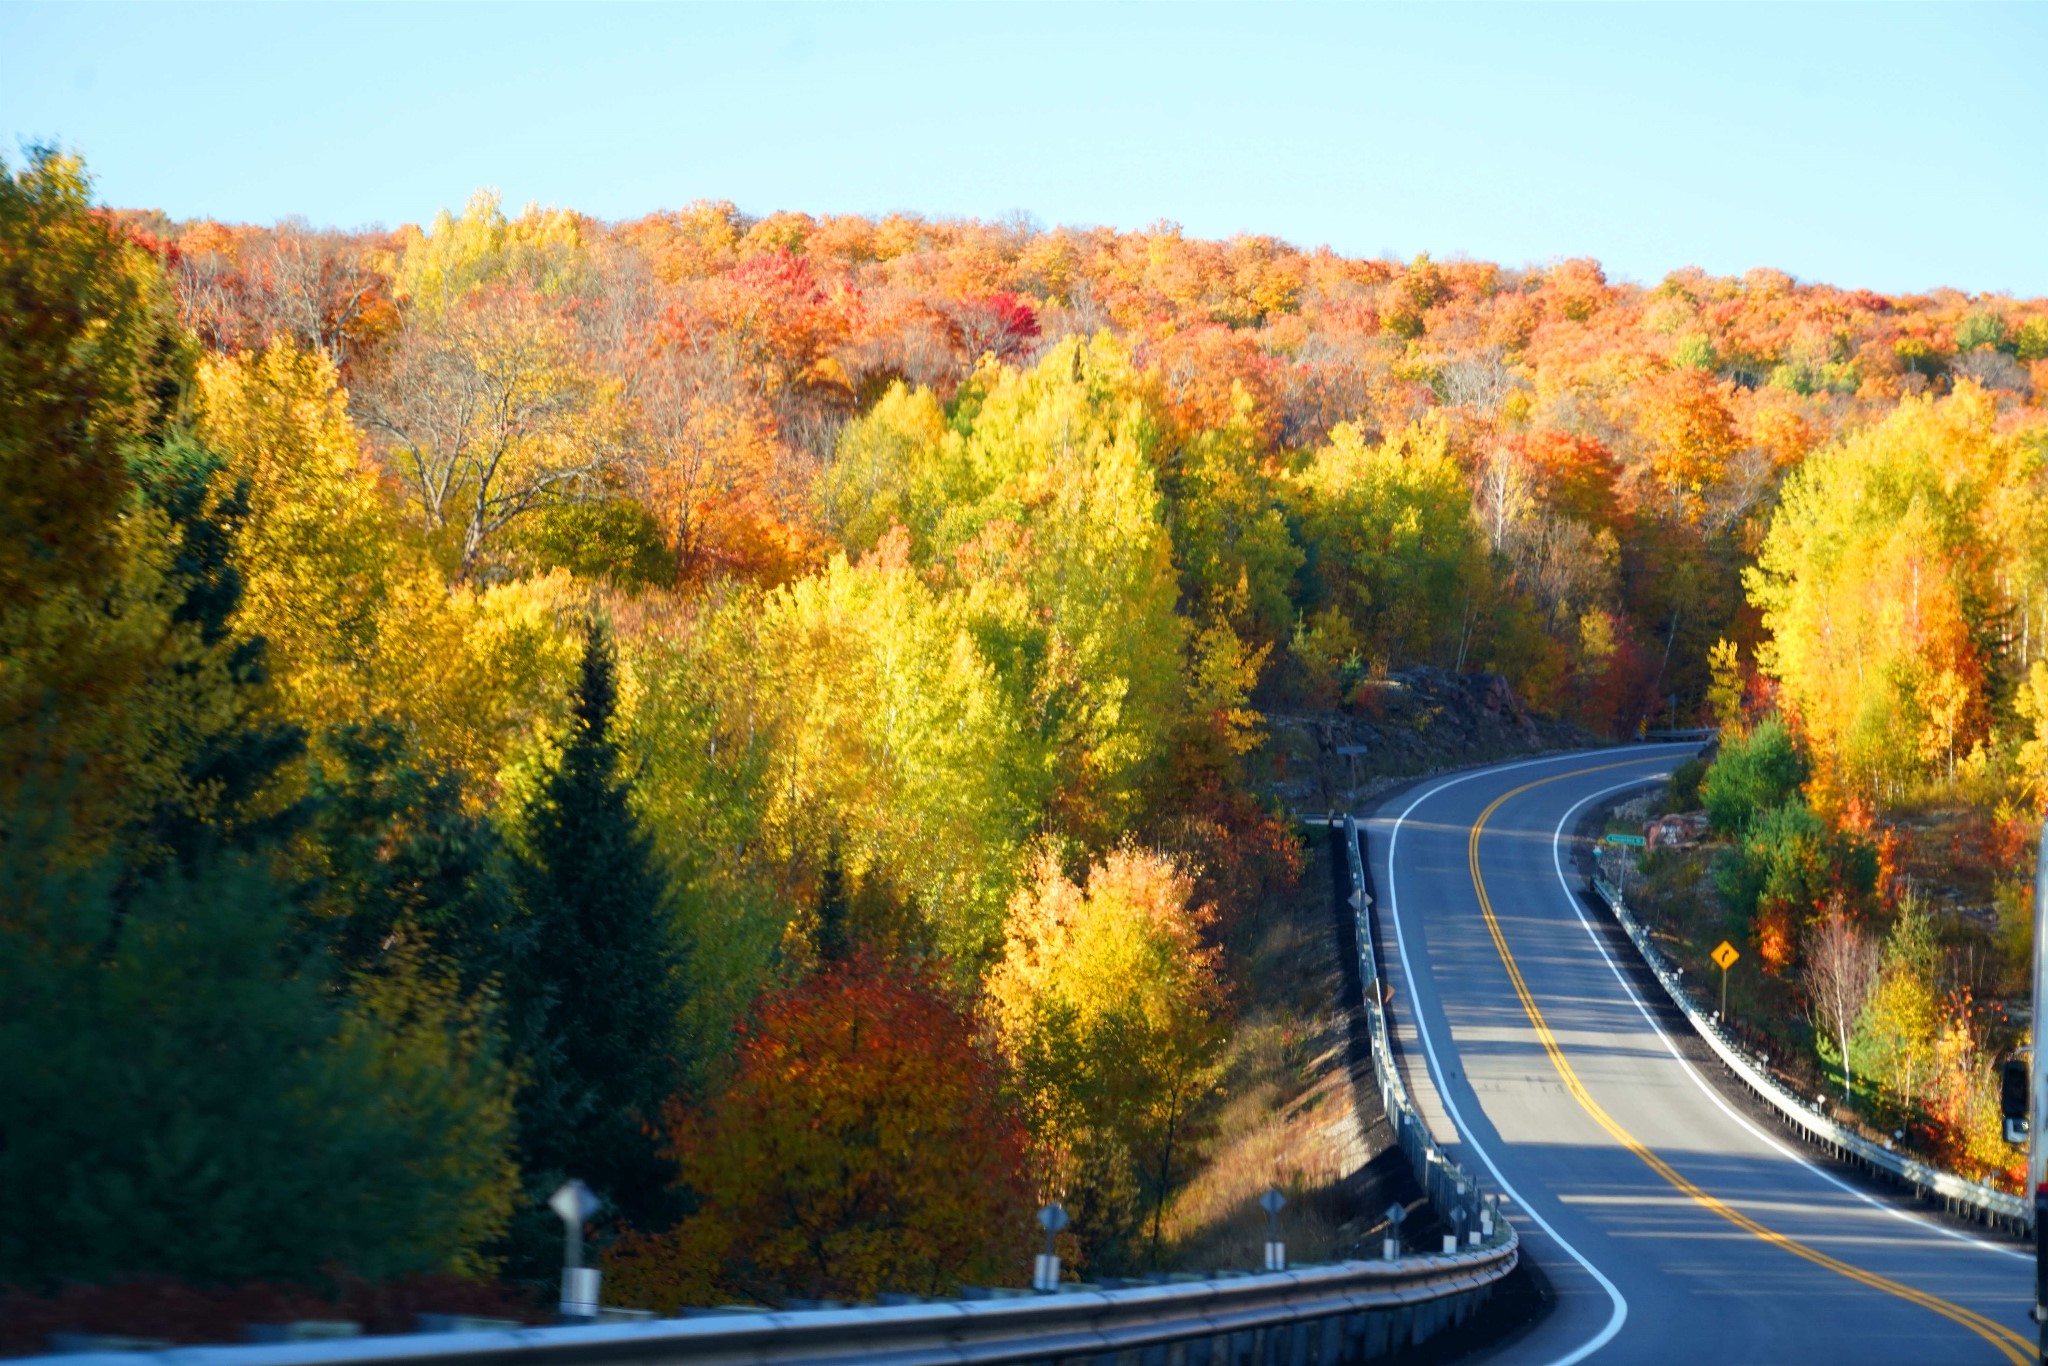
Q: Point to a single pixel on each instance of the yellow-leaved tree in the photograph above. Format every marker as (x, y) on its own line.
(360, 622)
(119, 684)
(1041, 501)
(484, 403)
(2033, 756)
(319, 551)
(1889, 556)
(1397, 550)
(1724, 690)
(892, 732)
(487, 413)
(542, 250)
(1108, 1002)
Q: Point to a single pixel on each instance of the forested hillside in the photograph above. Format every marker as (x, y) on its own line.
(765, 714)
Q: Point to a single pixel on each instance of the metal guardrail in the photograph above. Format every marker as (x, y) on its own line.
(1993, 1207)
(1453, 1193)
(1343, 1312)
(1352, 1311)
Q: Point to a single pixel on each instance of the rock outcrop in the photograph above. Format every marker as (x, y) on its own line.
(1411, 722)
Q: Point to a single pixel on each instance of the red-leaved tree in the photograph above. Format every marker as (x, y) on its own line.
(865, 1144)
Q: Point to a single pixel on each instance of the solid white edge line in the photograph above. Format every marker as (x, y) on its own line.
(1578, 909)
(1620, 1314)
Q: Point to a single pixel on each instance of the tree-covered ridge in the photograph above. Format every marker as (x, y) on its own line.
(601, 677)
(1621, 442)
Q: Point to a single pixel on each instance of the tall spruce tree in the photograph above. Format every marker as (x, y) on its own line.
(234, 749)
(833, 941)
(596, 989)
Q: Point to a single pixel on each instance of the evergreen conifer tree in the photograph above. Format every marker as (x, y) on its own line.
(233, 755)
(596, 989)
(402, 851)
(834, 940)
(183, 1093)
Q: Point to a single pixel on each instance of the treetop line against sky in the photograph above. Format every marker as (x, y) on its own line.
(1891, 148)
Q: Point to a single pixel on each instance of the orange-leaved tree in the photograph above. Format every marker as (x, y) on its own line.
(1692, 439)
(864, 1144)
(707, 457)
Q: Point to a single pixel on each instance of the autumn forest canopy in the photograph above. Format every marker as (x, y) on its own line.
(711, 704)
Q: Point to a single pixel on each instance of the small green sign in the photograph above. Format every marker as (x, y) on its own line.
(1634, 841)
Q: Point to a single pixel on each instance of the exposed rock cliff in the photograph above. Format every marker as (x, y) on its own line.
(1411, 722)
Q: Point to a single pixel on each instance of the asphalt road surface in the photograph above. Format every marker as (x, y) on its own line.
(1671, 1227)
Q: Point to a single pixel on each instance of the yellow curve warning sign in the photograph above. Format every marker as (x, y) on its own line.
(1725, 956)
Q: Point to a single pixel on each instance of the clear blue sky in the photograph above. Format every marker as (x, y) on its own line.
(1896, 148)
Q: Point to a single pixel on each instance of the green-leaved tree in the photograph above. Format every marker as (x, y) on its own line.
(183, 1093)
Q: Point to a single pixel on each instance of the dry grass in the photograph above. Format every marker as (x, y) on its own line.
(1286, 1117)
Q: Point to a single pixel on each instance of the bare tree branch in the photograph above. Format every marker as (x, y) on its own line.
(1841, 975)
(487, 416)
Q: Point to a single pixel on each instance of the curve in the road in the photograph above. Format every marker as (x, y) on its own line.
(2007, 1342)
(2004, 1338)
(1706, 1088)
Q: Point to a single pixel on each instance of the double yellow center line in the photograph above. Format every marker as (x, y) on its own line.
(2016, 1348)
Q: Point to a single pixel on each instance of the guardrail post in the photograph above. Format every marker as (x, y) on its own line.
(1330, 1341)
(1379, 1333)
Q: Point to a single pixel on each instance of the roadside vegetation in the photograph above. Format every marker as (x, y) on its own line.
(1882, 775)
(1928, 1002)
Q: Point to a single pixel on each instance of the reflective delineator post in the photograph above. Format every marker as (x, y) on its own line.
(1272, 1202)
(1045, 1274)
(576, 1203)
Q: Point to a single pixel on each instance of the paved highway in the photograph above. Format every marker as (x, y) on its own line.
(1671, 1226)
